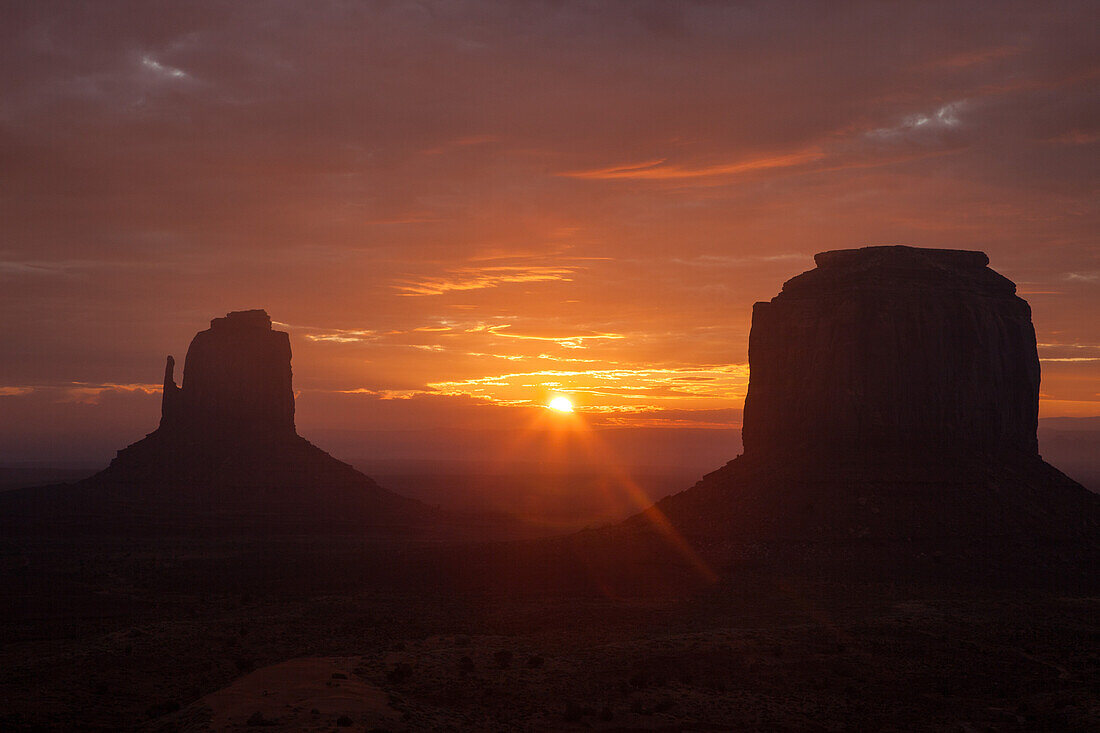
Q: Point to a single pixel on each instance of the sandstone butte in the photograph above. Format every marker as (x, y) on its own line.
(893, 398)
(226, 459)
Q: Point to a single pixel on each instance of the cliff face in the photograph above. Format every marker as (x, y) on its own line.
(893, 348)
(236, 381)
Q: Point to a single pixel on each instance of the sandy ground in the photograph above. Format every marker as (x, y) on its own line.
(311, 693)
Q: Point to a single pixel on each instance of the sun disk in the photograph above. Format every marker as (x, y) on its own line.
(561, 404)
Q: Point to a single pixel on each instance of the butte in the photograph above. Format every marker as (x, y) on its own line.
(225, 461)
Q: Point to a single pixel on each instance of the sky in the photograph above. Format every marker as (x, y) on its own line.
(459, 210)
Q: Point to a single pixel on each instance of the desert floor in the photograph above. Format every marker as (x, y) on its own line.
(206, 636)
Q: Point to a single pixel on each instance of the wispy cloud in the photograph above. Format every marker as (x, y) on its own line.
(943, 118)
(478, 278)
(1052, 352)
(71, 267)
(334, 335)
(343, 337)
(162, 70)
(568, 341)
(739, 261)
(1075, 137)
(92, 393)
(383, 394)
(660, 170)
(81, 392)
(976, 57)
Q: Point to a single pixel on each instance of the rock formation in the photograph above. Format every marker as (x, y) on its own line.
(232, 421)
(889, 435)
(891, 412)
(237, 381)
(893, 348)
(225, 459)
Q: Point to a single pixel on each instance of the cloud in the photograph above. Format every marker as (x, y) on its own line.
(741, 261)
(382, 394)
(334, 335)
(1053, 352)
(660, 170)
(343, 337)
(78, 392)
(722, 419)
(568, 341)
(946, 117)
(71, 267)
(976, 57)
(914, 136)
(161, 70)
(479, 278)
(1076, 137)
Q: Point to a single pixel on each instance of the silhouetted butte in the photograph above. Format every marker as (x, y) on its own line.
(888, 348)
(226, 458)
(891, 416)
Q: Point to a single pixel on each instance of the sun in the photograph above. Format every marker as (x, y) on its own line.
(561, 404)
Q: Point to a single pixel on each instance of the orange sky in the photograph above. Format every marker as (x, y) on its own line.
(459, 209)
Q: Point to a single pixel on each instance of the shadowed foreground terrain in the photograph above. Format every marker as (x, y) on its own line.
(123, 638)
